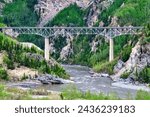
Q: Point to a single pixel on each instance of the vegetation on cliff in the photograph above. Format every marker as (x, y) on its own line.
(17, 55)
(70, 16)
(20, 13)
(134, 12)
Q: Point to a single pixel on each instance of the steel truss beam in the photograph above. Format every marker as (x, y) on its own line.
(108, 32)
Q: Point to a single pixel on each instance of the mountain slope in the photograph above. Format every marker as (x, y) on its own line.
(16, 56)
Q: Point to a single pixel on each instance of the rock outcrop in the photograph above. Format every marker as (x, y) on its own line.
(96, 7)
(118, 66)
(139, 59)
(48, 9)
(67, 50)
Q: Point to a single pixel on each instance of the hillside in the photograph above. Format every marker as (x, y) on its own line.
(82, 49)
(18, 62)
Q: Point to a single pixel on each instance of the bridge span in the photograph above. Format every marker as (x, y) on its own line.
(48, 32)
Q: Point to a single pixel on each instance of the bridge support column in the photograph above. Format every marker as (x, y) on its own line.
(111, 49)
(47, 47)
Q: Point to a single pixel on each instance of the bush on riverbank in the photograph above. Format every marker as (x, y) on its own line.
(144, 75)
(125, 75)
(3, 74)
(106, 67)
(142, 95)
(73, 93)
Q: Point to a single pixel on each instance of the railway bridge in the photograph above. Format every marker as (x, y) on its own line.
(47, 32)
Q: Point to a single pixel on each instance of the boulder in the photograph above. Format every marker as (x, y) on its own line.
(50, 79)
(118, 66)
(105, 75)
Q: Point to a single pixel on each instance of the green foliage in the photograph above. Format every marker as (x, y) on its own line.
(3, 74)
(125, 75)
(70, 16)
(81, 50)
(72, 93)
(9, 62)
(37, 40)
(134, 12)
(110, 11)
(125, 54)
(142, 95)
(2, 25)
(3, 93)
(19, 54)
(106, 67)
(146, 38)
(144, 75)
(20, 13)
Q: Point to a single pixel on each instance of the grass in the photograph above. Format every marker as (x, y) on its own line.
(19, 94)
(72, 93)
(142, 95)
(69, 93)
(106, 67)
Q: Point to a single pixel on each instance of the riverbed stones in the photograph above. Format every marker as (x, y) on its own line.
(51, 79)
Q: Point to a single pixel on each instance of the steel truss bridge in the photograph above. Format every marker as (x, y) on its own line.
(47, 32)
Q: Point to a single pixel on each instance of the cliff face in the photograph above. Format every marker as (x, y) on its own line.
(139, 59)
(48, 9)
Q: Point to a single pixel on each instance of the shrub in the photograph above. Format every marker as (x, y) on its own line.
(125, 54)
(9, 62)
(125, 75)
(106, 67)
(3, 74)
(144, 75)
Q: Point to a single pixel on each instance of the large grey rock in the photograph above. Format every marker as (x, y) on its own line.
(118, 66)
(67, 50)
(50, 79)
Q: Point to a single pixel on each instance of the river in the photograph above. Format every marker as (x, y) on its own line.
(85, 81)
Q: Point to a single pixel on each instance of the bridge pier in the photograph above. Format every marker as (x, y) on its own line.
(47, 48)
(111, 49)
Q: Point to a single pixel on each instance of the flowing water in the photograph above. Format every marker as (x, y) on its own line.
(85, 81)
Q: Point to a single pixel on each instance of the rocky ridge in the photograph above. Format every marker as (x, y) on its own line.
(48, 9)
(139, 59)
